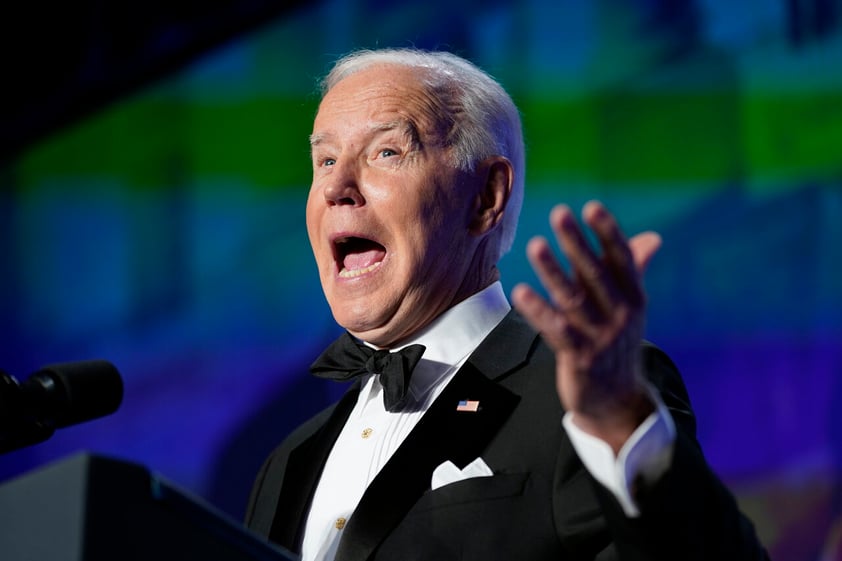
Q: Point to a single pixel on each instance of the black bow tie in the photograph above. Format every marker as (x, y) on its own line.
(345, 359)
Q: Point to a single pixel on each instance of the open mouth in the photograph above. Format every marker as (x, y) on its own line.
(357, 256)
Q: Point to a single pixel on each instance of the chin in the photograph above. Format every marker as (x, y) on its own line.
(368, 330)
(355, 320)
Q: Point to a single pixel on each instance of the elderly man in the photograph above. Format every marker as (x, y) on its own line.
(577, 443)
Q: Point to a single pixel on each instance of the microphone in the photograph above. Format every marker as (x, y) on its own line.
(56, 396)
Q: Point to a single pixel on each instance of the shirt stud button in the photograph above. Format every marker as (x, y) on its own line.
(340, 523)
(366, 433)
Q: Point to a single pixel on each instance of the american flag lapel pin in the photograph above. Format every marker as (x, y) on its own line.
(468, 405)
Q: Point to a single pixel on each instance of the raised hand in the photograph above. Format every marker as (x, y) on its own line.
(593, 320)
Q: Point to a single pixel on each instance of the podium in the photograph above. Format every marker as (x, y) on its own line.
(93, 508)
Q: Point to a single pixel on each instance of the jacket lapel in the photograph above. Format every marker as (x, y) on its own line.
(443, 433)
(303, 471)
(507, 347)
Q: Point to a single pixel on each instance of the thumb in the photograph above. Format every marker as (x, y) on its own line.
(643, 247)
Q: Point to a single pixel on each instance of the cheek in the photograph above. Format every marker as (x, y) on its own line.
(443, 218)
(312, 220)
(309, 208)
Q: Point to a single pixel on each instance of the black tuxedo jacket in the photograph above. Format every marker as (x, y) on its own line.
(540, 503)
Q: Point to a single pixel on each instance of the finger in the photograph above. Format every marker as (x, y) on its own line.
(617, 254)
(552, 276)
(643, 247)
(550, 322)
(627, 259)
(589, 271)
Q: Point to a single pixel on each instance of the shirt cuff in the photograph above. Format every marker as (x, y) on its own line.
(647, 454)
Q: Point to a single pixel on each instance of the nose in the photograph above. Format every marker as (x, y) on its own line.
(343, 187)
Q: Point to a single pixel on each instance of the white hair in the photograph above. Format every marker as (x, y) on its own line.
(483, 119)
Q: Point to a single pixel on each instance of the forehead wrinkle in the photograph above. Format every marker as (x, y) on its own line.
(419, 114)
(404, 126)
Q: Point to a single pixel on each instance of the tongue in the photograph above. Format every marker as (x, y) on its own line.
(362, 259)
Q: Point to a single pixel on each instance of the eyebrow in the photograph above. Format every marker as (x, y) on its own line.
(316, 139)
(404, 126)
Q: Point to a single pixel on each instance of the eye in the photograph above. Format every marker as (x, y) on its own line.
(387, 153)
(327, 162)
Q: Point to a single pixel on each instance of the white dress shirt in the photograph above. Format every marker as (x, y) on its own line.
(371, 434)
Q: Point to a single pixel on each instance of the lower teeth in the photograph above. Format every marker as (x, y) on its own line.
(346, 274)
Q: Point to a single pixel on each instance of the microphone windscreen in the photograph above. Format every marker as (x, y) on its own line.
(80, 391)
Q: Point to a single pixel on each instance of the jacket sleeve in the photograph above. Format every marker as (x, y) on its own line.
(688, 513)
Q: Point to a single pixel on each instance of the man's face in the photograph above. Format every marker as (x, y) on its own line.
(388, 215)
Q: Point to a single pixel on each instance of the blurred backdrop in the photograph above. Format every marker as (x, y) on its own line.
(155, 167)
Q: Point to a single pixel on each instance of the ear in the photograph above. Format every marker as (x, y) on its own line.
(494, 194)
